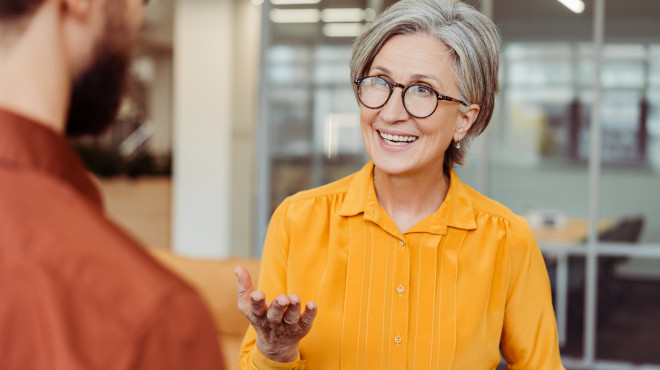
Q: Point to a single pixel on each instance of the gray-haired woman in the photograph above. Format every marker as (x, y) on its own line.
(409, 267)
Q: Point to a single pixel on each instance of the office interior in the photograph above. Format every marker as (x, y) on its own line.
(235, 104)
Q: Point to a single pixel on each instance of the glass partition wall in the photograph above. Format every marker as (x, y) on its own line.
(574, 146)
(628, 276)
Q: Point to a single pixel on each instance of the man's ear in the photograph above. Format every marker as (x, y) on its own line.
(466, 120)
(77, 8)
(81, 27)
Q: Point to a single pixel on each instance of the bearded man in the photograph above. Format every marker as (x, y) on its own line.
(76, 292)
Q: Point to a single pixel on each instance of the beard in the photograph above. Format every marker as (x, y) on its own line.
(97, 94)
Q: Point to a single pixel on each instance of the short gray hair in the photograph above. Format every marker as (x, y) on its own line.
(472, 38)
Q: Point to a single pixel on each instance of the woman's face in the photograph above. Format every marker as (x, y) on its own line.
(421, 142)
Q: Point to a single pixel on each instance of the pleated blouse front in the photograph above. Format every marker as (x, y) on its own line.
(443, 295)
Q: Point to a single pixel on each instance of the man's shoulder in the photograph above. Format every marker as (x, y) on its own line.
(68, 240)
(75, 273)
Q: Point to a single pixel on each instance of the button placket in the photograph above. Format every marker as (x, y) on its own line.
(400, 301)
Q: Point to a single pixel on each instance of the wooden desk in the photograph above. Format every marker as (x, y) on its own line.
(573, 232)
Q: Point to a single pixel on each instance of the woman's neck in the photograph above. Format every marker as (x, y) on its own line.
(409, 199)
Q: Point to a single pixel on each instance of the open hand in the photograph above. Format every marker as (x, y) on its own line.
(279, 324)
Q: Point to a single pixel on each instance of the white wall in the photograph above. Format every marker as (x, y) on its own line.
(203, 72)
(246, 96)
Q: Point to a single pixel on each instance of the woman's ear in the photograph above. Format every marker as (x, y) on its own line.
(467, 118)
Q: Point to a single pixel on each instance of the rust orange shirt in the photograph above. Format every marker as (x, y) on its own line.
(443, 295)
(75, 292)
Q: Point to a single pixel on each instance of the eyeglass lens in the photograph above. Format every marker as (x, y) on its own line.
(419, 100)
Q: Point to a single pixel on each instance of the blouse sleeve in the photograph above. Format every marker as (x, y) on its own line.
(272, 281)
(529, 337)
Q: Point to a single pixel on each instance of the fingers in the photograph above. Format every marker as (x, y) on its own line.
(292, 313)
(284, 310)
(307, 318)
(258, 305)
(277, 309)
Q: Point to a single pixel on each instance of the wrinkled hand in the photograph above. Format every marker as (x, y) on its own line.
(279, 324)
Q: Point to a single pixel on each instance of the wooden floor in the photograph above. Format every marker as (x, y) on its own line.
(141, 206)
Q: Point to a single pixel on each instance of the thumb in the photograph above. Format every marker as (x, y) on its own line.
(244, 283)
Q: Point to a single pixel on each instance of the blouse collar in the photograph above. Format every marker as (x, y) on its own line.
(456, 210)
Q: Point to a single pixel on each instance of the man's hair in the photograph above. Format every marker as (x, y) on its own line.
(472, 38)
(16, 9)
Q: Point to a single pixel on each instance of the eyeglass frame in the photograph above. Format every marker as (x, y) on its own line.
(358, 80)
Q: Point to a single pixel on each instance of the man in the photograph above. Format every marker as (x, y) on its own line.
(75, 292)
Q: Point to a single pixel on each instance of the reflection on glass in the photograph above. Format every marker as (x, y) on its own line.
(628, 285)
(315, 118)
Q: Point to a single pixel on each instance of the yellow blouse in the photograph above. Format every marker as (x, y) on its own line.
(443, 295)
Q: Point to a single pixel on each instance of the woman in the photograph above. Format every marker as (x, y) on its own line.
(409, 267)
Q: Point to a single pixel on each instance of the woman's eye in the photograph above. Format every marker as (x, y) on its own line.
(381, 81)
(422, 90)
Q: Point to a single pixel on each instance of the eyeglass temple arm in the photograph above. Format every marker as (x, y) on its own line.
(444, 97)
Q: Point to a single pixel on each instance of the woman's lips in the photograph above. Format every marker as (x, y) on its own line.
(397, 140)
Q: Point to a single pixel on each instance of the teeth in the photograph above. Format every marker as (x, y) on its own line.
(397, 139)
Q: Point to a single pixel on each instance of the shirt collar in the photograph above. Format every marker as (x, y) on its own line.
(361, 192)
(28, 145)
(456, 210)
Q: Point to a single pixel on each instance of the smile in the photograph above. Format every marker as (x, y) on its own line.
(398, 140)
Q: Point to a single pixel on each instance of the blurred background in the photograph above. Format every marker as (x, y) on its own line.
(236, 104)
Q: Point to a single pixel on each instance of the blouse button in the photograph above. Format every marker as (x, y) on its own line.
(402, 242)
(397, 339)
(400, 289)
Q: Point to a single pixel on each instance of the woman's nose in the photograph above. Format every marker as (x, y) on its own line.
(394, 111)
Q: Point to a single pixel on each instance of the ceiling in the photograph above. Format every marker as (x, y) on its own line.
(518, 20)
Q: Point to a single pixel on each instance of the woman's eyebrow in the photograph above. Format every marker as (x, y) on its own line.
(382, 69)
(418, 76)
(425, 77)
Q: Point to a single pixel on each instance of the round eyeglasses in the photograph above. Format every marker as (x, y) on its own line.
(419, 100)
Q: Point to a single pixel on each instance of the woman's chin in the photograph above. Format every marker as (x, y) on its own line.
(393, 168)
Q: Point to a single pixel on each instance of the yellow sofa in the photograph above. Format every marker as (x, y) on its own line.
(215, 281)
